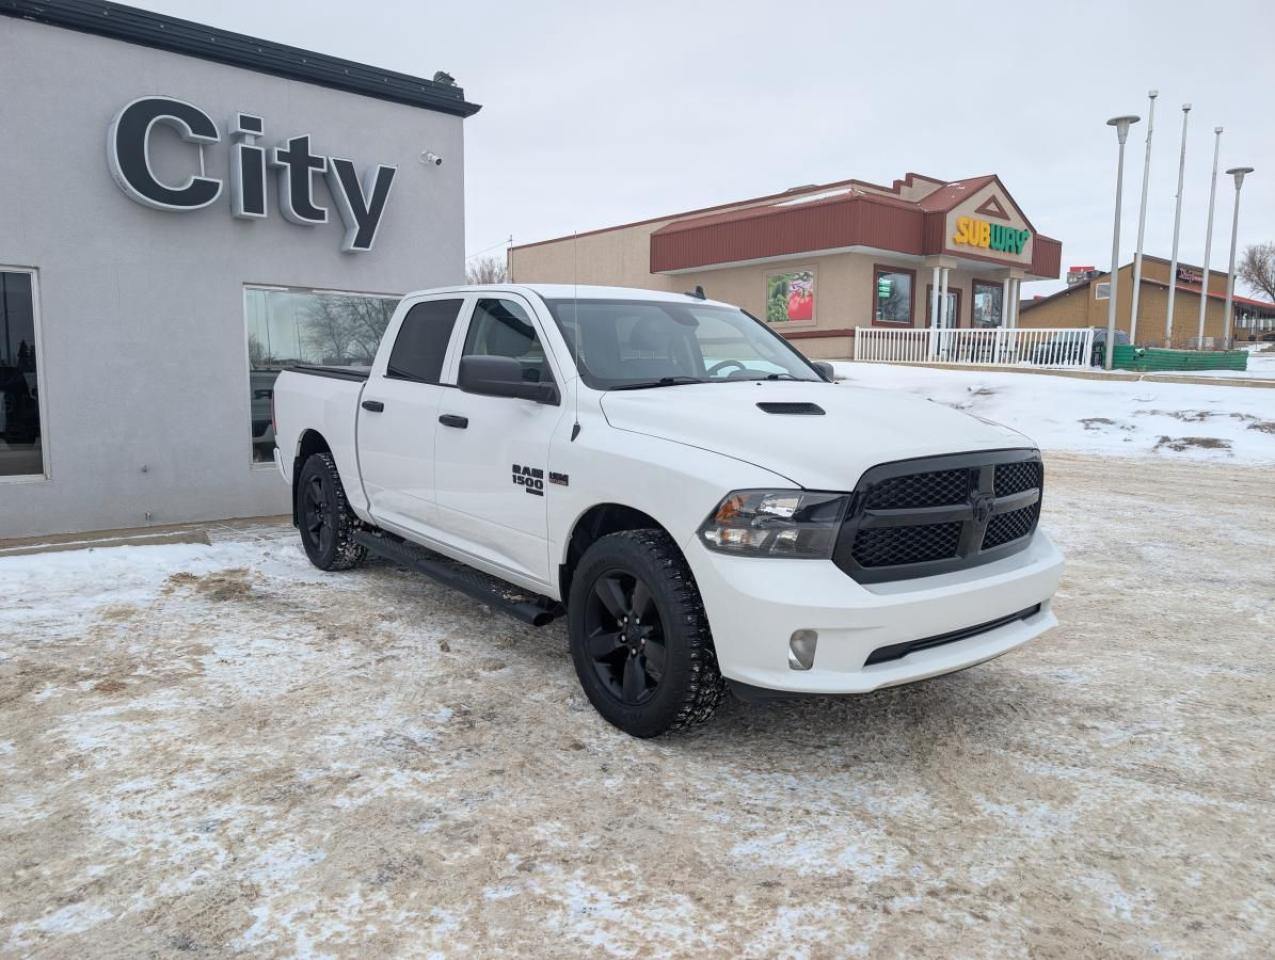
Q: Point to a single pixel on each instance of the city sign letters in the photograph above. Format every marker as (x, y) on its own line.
(360, 205)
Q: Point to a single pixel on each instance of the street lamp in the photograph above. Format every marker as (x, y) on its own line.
(1142, 223)
(1177, 224)
(1122, 125)
(1238, 173)
(1208, 239)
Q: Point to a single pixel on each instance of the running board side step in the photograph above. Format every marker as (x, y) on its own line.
(521, 604)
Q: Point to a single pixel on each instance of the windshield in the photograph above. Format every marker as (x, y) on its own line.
(649, 343)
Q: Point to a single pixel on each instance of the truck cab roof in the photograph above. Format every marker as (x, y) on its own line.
(569, 291)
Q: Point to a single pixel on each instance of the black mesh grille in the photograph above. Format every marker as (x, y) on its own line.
(936, 488)
(891, 546)
(1008, 527)
(932, 515)
(1014, 478)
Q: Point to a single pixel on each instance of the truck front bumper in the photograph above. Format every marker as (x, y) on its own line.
(755, 605)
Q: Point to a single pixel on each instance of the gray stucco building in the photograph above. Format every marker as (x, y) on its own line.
(183, 211)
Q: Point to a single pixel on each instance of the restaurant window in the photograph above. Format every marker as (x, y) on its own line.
(21, 450)
(288, 326)
(893, 296)
(988, 303)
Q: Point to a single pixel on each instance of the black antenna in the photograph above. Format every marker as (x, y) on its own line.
(575, 309)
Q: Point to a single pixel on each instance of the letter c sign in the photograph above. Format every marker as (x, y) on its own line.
(128, 153)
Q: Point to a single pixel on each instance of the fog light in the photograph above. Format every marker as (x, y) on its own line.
(801, 649)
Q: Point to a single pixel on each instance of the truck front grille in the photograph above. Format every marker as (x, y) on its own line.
(916, 518)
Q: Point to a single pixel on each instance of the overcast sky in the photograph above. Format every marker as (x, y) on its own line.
(599, 113)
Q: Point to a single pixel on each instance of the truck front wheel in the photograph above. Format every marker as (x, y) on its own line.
(324, 516)
(639, 637)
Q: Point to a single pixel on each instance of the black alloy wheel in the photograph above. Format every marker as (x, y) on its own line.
(316, 505)
(625, 637)
(324, 517)
(639, 635)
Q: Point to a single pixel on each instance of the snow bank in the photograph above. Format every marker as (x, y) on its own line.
(1113, 417)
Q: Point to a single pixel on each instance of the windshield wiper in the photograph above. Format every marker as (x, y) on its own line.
(661, 382)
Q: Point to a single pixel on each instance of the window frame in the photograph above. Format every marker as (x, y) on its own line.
(877, 270)
(995, 285)
(46, 464)
(254, 464)
(1099, 285)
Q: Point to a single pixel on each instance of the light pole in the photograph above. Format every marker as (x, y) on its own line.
(1142, 222)
(1238, 173)
(1208, 240)
(1122, 125)
(1177, 223)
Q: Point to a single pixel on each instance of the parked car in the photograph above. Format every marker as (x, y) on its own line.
(1067, 347)
(705, 506)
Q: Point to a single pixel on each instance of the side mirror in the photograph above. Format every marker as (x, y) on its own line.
(825, 370)
(502, 377)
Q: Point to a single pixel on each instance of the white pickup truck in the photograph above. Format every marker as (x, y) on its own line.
(701, 502)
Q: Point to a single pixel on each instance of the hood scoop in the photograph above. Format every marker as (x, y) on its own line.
(792, 409)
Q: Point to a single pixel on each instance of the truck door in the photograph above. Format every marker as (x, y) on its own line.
(491, 452)
(399, 416)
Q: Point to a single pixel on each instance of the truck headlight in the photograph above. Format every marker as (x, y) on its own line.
(776, 523)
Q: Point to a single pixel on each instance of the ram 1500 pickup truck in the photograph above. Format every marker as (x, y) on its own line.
(705, 506)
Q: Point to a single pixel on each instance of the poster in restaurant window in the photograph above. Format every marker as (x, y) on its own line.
(790, 297)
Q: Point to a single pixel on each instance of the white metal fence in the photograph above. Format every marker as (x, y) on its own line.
(998, 346)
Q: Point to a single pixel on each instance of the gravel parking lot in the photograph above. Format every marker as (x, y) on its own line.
(210, 751)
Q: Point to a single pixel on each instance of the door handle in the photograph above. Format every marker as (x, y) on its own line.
(452, 420)
(374, 405)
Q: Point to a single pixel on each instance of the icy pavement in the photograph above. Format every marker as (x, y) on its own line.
(1168, 421)
(217, 750)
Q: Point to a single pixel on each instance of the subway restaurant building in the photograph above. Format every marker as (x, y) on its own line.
(818, 261)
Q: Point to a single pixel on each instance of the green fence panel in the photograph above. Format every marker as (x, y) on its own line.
(1154, 360)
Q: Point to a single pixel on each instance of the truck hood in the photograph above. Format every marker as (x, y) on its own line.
(858, 429)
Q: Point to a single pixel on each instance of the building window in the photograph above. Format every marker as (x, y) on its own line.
(790, 296)
(988, 304)
(892, 295)
(1102, 291)
(288, 325)
(21, 448)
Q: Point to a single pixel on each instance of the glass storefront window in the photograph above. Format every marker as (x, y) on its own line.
(893, 296)
(987, 303)
(288, 325)
(21, 453)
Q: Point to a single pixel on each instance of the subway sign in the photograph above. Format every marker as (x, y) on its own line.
(972, 232)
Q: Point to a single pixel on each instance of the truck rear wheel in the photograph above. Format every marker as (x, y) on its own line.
(639, 636)
(324, 516)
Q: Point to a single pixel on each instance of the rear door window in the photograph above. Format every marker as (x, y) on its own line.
(422, 341)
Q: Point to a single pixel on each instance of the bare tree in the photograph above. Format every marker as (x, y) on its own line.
(490, 269)
(1257, 268)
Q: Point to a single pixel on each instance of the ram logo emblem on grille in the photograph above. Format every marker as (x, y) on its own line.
(981, 503)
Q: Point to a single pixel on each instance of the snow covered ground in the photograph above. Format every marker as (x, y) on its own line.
(1143, 418)
(220, 751)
